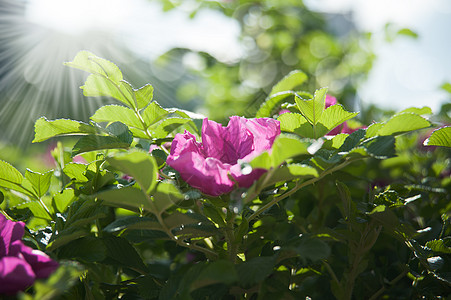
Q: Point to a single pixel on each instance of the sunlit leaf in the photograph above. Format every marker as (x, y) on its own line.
(144, 95)
(139, 165)
(89, 62)
(45, 129)
(117, 113)
(440, 137)
(402, 123)
(11, 178)
(313, 109)
(153, 113)
(96, 85)
(290, 82)
(40, 182)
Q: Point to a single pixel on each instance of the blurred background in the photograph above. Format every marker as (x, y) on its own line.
(221, 58)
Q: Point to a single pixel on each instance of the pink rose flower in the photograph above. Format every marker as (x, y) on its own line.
(213, 165)
(20, 265)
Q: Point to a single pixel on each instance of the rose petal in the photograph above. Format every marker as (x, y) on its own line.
(206, 174)
(9, 232)
(40, 262)
(15, 275)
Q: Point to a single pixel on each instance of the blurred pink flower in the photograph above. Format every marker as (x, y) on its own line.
(210, 165)
(20, 265)
(330, 100)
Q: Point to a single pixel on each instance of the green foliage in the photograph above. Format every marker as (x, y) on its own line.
(440, 137)
(362, 215)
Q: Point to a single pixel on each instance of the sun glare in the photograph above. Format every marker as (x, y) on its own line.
(77, 16)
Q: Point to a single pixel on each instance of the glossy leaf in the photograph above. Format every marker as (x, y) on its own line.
(45, 129)
(61, 201)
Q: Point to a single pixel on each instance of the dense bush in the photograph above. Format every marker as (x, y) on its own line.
(302, 201)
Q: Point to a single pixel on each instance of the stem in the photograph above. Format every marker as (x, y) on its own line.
(45, 208)
(331, 272)
(296, 188)
(230, 237)
(173, 237)
(383, 289)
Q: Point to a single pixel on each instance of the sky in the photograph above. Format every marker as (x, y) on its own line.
(407, 72)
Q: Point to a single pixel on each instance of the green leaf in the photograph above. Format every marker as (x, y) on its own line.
(291, 122)
(87, 249)
(117, 113)
(61, 281)
(95, 142)
(292, 171)
(144, 95)
(312, 109)
(216, 272)
(440, 246)
(408, 32)
(139, 165)
(11, 178)
(120, 131)
(61, 201)
(425, 110)
(283, 148)
(402, 123)
(335, 142)
(120, 252)
(446, 87)
(45, 129)
(380, 147)
(290, 82)
(255, 270)
(165, 196)
(75, 172)
(440, 137)
(271, 103)
(163, 128)
(89, 62)
(153, 113)
(129, 197)
(333, 116)
(133, 222)
(373, 129)
(212, 212)
(312, 249)
(97, 85)
(40, 182)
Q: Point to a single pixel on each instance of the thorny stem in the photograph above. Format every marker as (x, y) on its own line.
(298, 186)
(230, 238)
